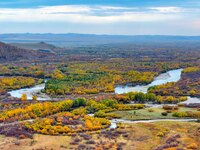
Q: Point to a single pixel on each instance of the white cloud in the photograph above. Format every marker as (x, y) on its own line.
(114, 8)
(89, 14)
(64, 9)
(167, 9)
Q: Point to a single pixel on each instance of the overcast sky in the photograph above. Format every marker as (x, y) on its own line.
(132, 17)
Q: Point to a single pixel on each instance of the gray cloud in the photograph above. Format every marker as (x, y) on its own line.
(102, 19)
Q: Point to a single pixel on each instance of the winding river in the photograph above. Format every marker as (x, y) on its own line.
(36, 90)
(170, 76)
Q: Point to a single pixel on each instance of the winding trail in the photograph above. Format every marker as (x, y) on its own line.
(114, 122)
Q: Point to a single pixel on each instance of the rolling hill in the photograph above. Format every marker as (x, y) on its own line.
(13, 53)
(39, 46)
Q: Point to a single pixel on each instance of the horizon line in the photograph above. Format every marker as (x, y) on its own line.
(175, 35)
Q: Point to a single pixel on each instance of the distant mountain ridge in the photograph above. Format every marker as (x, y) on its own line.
(76, 40)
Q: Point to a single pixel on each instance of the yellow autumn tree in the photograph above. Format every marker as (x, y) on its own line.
(34, 98)
(24, 97)
(57, 74)
(88, 124)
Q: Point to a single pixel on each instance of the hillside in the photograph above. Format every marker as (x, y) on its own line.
(41, 46)
(13, 53)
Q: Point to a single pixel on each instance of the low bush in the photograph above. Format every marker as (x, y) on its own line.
(187, 114)
(16, 130)
(66, 123)
(192, 146)
(129, 107)
(164, 113)
(102, 114)
(167, 107)
(160, 134)
(79, 111)
(150, 110)
(79, 102)
(35, 110)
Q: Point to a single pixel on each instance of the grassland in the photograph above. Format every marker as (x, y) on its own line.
(172, 135)
(146, 114)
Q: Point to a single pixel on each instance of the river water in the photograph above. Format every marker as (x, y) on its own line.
(36, 90)
(170, 76)
(191, 100)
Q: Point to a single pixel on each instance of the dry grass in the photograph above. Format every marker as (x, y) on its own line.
(140, 136)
